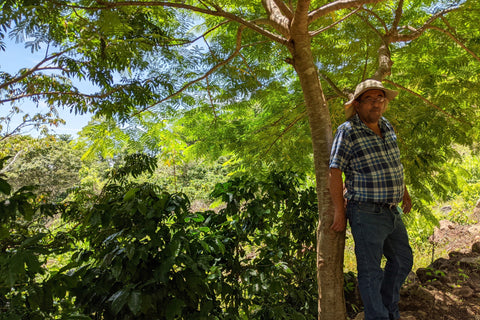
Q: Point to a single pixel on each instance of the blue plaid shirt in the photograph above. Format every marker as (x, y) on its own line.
(372, 167)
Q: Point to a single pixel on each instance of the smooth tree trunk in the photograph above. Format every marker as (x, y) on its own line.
(330, 244)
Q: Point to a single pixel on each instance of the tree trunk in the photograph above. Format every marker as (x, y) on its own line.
(330, 244)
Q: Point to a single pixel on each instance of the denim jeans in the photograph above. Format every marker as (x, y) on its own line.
(378, 230)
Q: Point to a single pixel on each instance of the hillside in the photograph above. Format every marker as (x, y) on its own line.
(449, 288)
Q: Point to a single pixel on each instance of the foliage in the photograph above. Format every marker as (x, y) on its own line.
(171, 63)
(462, 199)
(196, 179)
(134, 247)
(178, 169)
(11, 125)
(244, 77)
(252, 259)
(25, 245)
(48, 163)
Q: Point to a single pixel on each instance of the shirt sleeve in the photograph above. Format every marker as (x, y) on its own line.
(341, 150)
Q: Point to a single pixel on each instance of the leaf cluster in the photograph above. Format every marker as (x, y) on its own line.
(150, 256)
(25, 244)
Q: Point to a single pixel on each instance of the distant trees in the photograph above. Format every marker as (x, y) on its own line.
(50, 164)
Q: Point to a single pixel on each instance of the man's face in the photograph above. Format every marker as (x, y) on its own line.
(371, 106)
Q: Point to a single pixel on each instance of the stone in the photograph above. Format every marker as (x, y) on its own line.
(464, 292)
(476, 247)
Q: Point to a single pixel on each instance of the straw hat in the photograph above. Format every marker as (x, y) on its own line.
(362, 87)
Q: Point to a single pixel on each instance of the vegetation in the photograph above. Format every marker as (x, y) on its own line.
(241, 87)
(137, 252)
(134, 250)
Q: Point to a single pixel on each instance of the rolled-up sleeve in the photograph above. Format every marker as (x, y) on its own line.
(341, 150)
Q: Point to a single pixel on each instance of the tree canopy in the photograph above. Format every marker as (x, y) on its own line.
(263, 81)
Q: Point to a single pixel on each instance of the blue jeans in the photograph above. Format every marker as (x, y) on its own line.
(378, 230)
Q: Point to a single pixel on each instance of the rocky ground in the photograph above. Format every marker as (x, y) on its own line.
(448, 289)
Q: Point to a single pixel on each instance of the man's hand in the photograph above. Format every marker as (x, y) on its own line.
(336, 191)
(339, 220)
(406, 202)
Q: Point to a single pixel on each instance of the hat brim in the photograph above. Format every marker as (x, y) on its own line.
(350, 110)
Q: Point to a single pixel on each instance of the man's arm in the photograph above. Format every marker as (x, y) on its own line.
(336, 192)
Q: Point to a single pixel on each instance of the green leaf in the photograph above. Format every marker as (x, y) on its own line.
(5, 187)
(130, 194)
(4, 232)
(174, 308)
(118, 300)
(135, 302)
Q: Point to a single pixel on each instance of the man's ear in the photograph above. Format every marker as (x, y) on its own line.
(355, 105)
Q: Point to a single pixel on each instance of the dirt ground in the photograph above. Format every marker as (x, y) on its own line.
(449, 288)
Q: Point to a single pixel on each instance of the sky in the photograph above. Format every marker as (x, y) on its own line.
(16, 57)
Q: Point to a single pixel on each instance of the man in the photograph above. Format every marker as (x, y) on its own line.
(365, 150)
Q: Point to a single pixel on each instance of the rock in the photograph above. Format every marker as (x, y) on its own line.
(464, 292)
(475, 229)
(422, 294)
(476, 247)
(446, 224)
(472, 262)
(474, 285)
(441, 264)
(446, 209)
(454, 254)
(360, 316)
(430, 274)
(411, 278)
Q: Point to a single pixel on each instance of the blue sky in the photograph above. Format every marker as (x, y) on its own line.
(16, 57)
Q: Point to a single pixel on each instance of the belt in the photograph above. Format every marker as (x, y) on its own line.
(389, 205)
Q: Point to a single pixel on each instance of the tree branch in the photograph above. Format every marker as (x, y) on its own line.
(37, 67)
(299, 25)
(62, 93)
(426, 101)
(286, 11)
(449, 27)
(384, 61)
(209, 72)
(290, 126)
(374, 14)
(219, 12)
(210, 98)
(318, 31)
(337, 90)
(371, 26)
(398, 15)
(451, 36)
(10, 163)
(279, 21)
(337, 5)
(415, 33)
(249, 69)
(207, 32)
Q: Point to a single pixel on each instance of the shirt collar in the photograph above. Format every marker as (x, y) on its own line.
(381, 123)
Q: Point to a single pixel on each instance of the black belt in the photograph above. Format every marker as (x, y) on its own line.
(386, 205)
(379, 204)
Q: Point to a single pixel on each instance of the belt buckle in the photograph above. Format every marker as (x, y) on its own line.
(391, 205)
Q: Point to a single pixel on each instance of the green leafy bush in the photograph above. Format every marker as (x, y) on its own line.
(25, 245)
(150, 257)
(135, 251)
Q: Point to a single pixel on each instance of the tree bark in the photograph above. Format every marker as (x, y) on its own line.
(330, 244)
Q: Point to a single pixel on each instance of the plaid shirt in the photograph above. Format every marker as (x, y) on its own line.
(372, 167)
